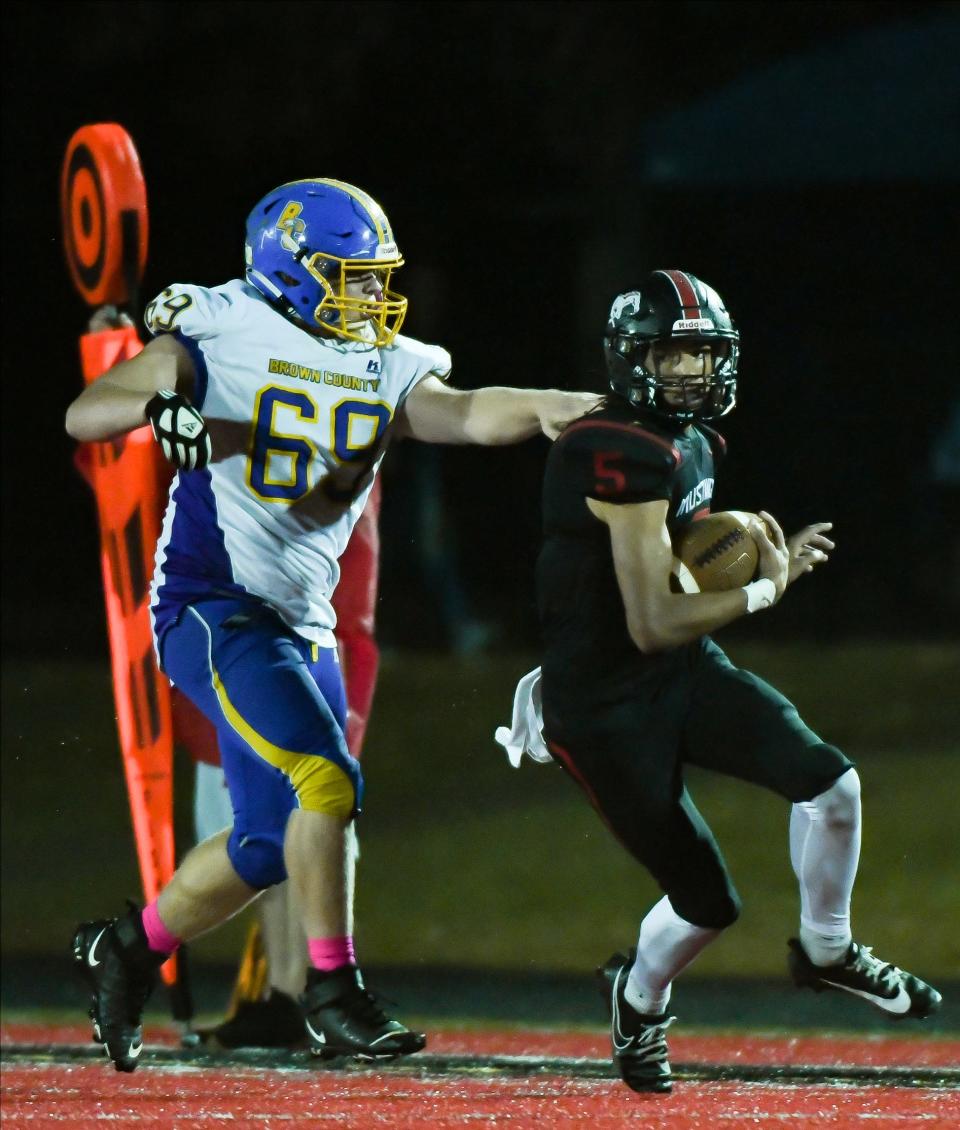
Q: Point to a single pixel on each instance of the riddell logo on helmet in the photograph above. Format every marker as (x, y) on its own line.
(693, 324)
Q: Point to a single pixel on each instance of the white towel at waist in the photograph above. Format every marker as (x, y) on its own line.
(525, 734)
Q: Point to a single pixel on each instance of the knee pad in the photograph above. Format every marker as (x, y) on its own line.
(257, 857)
(838, 806)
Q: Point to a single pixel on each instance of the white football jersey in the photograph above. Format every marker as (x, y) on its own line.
(286, 411)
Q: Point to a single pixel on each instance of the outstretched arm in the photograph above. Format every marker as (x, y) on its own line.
(436, 413)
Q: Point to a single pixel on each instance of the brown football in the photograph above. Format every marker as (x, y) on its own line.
(717, 552)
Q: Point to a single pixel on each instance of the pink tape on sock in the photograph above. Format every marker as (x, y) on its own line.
(331, 953)
(159, 938)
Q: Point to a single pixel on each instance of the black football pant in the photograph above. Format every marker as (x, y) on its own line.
(695, 708)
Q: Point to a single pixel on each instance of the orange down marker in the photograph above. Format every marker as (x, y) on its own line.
(104, 210)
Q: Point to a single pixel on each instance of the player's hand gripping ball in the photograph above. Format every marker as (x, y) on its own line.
(717, 552)
(180, 430)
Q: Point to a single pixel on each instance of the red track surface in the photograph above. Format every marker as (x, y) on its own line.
(91, 1094)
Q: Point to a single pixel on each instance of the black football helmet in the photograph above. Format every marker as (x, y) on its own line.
(672, 306)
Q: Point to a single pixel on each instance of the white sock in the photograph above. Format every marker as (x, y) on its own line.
(666, 946)
(824, 851)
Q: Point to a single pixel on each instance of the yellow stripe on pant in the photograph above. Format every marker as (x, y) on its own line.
(321, 785)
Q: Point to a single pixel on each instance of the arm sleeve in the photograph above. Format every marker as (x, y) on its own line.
(619, 463)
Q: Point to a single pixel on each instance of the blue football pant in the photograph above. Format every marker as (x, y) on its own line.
(278, 705)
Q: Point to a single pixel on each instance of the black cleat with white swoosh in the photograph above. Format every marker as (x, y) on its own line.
(639, 1041)
(343, 1019)
(114, 959)
(900, 995)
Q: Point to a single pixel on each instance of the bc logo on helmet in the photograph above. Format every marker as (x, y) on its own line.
(290, 226)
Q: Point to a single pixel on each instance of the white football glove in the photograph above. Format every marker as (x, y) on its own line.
(180, 430)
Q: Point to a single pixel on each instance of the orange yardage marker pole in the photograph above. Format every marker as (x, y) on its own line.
(105, 224)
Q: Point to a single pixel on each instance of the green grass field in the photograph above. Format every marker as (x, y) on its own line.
(469, 862)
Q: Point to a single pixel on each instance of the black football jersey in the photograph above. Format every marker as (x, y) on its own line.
(617, 454)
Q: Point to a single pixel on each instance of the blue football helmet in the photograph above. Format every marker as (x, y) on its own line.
(307, 241)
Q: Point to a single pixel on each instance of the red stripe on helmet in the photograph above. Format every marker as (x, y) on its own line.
(686, 292)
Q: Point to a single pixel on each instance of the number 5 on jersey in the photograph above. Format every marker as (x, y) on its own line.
(609, 478)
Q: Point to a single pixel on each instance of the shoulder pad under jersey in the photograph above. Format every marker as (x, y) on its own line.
(194, 311)
(417, 360)
(618, 461)
(429, 359)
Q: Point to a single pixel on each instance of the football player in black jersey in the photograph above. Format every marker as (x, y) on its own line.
(633, 688)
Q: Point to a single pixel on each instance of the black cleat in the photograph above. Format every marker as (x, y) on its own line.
(343, 1019)
(898, 994)
(639, 1041)
(274, 1023)
(114, 959)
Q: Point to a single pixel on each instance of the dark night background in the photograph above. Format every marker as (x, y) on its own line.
(534, 158)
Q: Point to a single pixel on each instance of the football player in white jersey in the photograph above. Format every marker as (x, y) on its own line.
(274, 397)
